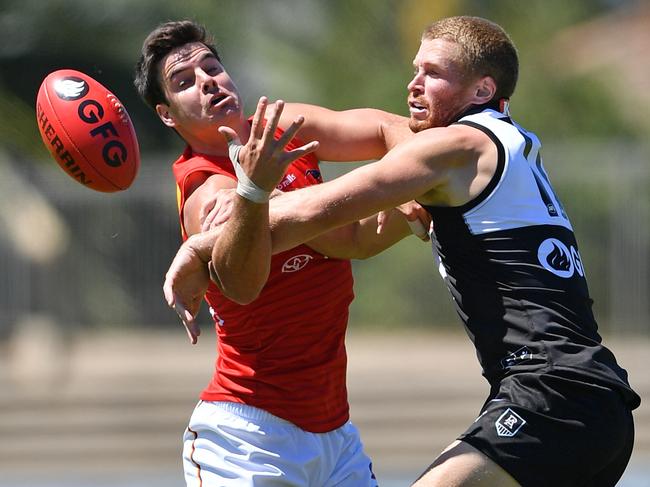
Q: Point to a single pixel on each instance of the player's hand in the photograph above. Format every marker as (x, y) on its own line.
(186, 283)
(217, 209)
(264, 159)
(417, 218)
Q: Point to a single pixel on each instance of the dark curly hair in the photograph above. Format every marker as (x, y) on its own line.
(160, 42)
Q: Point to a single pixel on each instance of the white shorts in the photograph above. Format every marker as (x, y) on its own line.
(228, 444)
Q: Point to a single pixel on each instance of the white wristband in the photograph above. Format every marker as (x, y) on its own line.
(245, 187)
(417, 228)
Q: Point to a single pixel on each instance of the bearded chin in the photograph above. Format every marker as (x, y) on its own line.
(420, 125)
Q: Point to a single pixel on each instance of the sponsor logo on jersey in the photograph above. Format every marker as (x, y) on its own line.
(70, 88)
(509, 423)
(296, 263)
(314, 175)
(516, 357)
(559, 259)
(577, 261)
(286, 182)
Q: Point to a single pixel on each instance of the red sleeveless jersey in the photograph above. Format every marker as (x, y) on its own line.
(284, 352)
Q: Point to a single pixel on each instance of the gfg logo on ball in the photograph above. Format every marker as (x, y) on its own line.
(559, 259)
(71, 88)
(114, 152)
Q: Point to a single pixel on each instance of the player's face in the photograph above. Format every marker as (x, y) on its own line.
(200, 92)
(439, 90)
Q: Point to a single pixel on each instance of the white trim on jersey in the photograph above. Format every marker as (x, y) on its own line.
(529, 199)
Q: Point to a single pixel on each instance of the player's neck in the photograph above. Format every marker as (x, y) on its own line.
(214, 144)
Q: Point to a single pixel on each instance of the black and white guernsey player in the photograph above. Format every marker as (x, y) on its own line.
(510, 260)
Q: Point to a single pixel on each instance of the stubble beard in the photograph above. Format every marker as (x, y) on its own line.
(419, 125)
(432, 120)
(438, 117)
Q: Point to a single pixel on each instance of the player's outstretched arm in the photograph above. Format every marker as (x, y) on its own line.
(357, 240)
(419, 168)
(358, 134)
(241, 260)
(372, 235)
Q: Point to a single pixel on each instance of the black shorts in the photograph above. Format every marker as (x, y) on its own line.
(553, 431)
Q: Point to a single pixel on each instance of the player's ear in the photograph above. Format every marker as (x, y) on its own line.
(164, 114)
(486, 88)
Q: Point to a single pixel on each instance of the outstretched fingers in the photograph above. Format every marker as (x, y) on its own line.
(288, 135)
(272, 122)
(382, 220)
(175, 302)
(257, 126)
(191, 326)
(186, 282)
(262, 162)
(297, 153)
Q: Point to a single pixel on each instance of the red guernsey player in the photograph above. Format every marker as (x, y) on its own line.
(276, 409)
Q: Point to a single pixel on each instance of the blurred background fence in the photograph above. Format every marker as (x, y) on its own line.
(91, 261)
(94, 366)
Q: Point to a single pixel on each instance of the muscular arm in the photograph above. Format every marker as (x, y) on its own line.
(411, 170)
(360, 240)
(241, 273)
(424, 168)
(351, 135)
(201, 189)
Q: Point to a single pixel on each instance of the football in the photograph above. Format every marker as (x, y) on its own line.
(87, 130)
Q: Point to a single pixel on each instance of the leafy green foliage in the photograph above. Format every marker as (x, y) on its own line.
(339, 53)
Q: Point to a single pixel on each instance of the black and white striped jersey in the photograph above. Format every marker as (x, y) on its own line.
(512, 264)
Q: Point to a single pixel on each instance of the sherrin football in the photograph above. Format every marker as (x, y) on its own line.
(87, 130)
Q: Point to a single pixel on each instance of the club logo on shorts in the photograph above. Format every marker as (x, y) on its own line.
(70, 88)
(516, 357)
(509, 423)
(296, 263)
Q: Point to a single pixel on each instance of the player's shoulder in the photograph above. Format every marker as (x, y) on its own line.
(454, 138)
